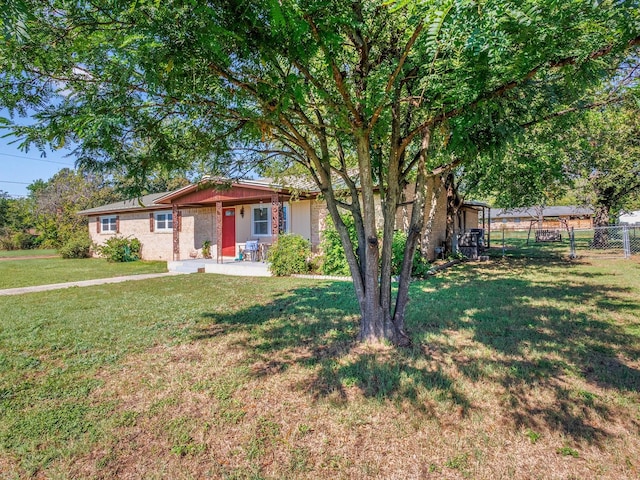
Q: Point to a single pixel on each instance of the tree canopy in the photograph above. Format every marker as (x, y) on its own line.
(604, 160)
(586, 156)
(366, 97)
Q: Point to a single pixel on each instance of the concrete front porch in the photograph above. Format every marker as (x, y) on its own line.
(228, 267)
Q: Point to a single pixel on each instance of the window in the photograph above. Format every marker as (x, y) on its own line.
(261, 220)
(164, 221)
(284, 221)
(108, 224)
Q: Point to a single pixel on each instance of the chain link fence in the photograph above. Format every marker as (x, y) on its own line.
(606, 242)
(602, 242)
(523, 243)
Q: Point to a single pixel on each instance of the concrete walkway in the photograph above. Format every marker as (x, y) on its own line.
(84, 283)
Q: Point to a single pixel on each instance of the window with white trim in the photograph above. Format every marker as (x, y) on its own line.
(261, 220)
(108, 224)
(164, 221)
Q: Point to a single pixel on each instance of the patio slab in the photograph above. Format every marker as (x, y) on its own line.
(227, 267)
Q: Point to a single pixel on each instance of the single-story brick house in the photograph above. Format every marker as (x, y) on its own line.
(175, 225)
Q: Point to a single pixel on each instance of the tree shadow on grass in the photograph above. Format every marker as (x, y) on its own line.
(533, 339)
(315, 328)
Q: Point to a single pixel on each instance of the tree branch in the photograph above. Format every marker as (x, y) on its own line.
(501, 90)
(394, 75)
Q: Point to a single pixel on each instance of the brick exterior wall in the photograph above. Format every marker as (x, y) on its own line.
(198, 226)
(319, 214)
(439, 224)
(155, 245)
(467, 217)
(300, 218)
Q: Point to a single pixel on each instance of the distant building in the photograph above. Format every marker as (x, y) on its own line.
(552, 217)
(631, 218)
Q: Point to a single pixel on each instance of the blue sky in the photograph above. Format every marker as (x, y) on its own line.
(19, 168)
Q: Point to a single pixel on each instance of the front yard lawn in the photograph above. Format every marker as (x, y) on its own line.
(519, 369)
(43, 271)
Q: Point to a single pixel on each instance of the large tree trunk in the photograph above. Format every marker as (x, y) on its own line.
(374, 318)
(453, 205)
(434, 186)
(600, 220)
(413, 236)
(540, 216)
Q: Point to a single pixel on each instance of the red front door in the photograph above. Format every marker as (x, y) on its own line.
(228, 232)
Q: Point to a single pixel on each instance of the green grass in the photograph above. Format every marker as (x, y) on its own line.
(27, 253)
(516, 366)
(513, 244)
(43, 271)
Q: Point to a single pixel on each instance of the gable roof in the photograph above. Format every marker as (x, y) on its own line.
(207, 182)
(163, 200)
(156, 201)
(146, 202)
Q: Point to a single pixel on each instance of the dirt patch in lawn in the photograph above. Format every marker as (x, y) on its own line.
(33, 257)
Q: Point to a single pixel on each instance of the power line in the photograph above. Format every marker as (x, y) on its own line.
(18, 183)
(36, 159)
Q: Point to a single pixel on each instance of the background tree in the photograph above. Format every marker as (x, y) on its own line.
(57, 201)
(603, 158)
(589, 158)
(527, 171)
(16, 223)
(365, 96)
(5, 202)
(155, 182)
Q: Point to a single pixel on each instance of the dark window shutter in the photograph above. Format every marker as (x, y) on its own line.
(117, 223)
(151, 222)
(98, 220)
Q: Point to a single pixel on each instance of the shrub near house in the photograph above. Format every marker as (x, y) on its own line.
(121, 249)
(78, 246)
(289, 255)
